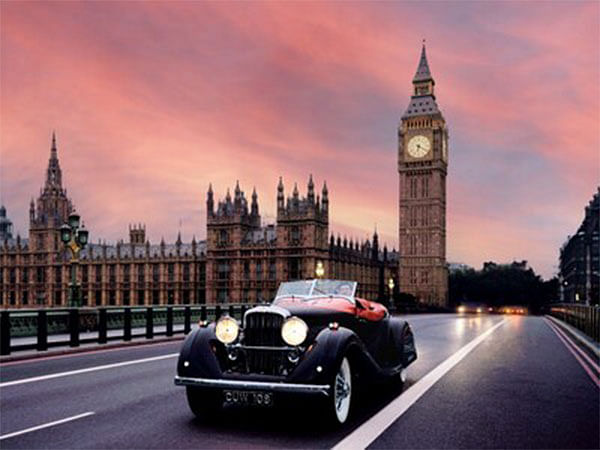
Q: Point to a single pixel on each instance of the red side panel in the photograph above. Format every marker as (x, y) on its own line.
(372, 311)
(338, 304)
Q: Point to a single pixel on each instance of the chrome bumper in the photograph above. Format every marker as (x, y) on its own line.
(253, 385)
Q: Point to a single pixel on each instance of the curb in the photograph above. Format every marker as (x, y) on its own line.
(582, 338)
(94, 348)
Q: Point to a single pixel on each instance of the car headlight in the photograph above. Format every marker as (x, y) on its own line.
(294, 331)
(227, 330)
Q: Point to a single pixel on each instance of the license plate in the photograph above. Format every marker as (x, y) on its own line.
(248, 398)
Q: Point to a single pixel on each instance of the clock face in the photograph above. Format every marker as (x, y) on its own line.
(418, 146)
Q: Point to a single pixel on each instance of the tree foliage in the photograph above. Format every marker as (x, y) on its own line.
(502, 284)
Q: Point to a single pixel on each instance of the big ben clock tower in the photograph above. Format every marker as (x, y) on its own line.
(422, 166)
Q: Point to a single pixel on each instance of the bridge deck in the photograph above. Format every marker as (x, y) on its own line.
(520, 387)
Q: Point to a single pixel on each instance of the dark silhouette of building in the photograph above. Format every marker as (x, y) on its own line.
(580, 259)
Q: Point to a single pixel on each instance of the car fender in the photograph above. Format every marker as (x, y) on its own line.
(321, 362)
(199, 355)
(403, 337)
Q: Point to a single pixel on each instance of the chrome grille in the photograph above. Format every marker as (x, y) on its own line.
(266, 362)
(263, 329)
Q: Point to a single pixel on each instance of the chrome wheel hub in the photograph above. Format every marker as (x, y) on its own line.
(342, 391)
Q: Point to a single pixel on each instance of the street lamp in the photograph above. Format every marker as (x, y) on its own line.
(75, 239)
(391, 285)
(319, 269)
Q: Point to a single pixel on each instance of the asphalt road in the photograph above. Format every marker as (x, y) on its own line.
(519, 388)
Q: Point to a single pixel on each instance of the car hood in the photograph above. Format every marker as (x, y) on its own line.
(317, 312)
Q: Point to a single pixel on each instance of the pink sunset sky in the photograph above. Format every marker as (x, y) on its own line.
(151, 101)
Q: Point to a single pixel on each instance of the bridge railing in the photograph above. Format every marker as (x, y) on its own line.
(584, 318)
(41, 329)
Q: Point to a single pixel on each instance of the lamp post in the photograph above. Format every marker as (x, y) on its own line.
(319, 269)
(75, 239)
(391, 285)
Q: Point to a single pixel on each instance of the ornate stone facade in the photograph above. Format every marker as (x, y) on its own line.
(242, 260)
(246, 261)
(422, 168)
(35, 271)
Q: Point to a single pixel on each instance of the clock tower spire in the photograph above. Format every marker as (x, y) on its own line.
(422, 169)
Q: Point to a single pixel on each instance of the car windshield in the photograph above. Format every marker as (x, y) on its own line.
(317, 288)
(295, 288)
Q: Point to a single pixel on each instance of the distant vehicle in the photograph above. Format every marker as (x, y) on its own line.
(316, 339)
(513, 310)
(472, 308)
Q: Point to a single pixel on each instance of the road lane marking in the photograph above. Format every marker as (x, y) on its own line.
(584, 339)
(576, 347)
(86, 370)
(365, 434)
(579, 360)
(47, 425)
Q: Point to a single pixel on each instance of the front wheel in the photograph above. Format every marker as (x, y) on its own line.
(339, 401)
(204, 403)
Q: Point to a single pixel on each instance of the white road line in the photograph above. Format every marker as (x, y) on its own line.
(362, 437)
(579, 360)
(46, 425)
(86, 370)
(575, 346)
(585, 340)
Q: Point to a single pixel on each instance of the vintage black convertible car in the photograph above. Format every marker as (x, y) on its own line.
(316, 338)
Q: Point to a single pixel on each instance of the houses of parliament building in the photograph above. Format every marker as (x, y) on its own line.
(240, 261)
(243, 260)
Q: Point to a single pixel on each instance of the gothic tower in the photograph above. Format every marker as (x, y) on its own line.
(229, 226)
(302, 230)
(51, 210)
(422, 168)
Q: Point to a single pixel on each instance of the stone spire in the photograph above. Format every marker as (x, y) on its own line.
(53, 173)
(254, 206)
(280, 196)
(210, 202)
(423, 72)
(311, 189)
(325, 198)
(422, 102)
(53, 152)
(375, 248)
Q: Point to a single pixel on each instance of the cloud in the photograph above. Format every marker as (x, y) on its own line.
(152, 101)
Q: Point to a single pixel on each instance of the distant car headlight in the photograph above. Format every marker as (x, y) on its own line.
(294, 331)
(461, 309)
(227, 330)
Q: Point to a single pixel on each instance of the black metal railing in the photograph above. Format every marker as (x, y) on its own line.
(584, 318)
(41, 329)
